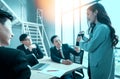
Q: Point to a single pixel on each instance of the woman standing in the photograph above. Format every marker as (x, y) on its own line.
(100, 43)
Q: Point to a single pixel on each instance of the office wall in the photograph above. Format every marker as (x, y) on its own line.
(18, 7)
(31, 11)
(15, 40)
(48, 7)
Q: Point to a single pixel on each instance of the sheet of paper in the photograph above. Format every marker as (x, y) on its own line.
(53, 71)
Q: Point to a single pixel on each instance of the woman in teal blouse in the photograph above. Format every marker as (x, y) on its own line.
(100, 43)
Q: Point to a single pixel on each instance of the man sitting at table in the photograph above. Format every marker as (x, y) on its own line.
(60, 53)
(32, 51)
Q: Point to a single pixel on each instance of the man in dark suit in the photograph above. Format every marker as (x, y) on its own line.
(32, 51)
(13, 62)
(60, 53)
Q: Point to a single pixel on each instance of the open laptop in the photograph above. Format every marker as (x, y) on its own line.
(39, 66)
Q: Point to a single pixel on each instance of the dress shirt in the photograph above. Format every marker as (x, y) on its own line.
(30, 51)
(61, 52)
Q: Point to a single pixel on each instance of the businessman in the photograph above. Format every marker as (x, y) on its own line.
(13, 63)
(32, 51)
(60, 53)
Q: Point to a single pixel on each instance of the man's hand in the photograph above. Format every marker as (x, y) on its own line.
(31, 47)
(67, 62)
(78, 38)
(77, 48)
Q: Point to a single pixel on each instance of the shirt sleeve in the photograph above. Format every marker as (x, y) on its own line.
(95, 40)
(39, 53)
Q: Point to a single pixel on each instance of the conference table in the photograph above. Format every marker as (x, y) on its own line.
(53, 69)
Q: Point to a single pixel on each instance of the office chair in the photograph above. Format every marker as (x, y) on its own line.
(78, 74)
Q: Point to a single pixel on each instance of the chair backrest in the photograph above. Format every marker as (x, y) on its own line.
(78, 59)
(78, 74)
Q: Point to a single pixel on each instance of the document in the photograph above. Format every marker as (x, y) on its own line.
(53, 71)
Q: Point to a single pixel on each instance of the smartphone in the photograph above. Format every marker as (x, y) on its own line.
(81, 35)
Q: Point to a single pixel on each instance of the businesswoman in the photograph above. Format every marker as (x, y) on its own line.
(100, 43)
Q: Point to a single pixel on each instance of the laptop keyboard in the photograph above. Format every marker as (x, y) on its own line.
(39, 66)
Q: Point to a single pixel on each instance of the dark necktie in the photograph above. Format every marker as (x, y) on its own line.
(60, 53)
(29, 51)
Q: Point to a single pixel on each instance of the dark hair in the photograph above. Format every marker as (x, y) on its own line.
(22, 37)
(102, 17)
(52, 38)
(4, 16)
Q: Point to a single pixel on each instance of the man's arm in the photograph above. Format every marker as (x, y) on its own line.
(71, 50)
(39, 53)
(21, 68)
(54, 57)
(57, 59)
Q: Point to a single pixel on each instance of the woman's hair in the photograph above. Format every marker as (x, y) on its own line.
(102, 17)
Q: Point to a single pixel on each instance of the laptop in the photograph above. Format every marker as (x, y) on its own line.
(39, 66)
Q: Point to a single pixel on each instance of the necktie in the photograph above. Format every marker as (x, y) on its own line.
(29, 51)
(60, 52)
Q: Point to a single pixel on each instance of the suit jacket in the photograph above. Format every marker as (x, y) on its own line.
(55, 56)
(13, 64)
(32, 59)
(100, 53)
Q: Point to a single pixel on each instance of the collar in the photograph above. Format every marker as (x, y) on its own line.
(25, 46)
(59, 48)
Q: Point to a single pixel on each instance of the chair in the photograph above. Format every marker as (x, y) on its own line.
(78, 74)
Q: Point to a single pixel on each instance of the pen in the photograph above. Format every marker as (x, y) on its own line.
(51, 70)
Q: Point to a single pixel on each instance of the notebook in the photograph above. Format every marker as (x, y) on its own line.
(39, 66)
